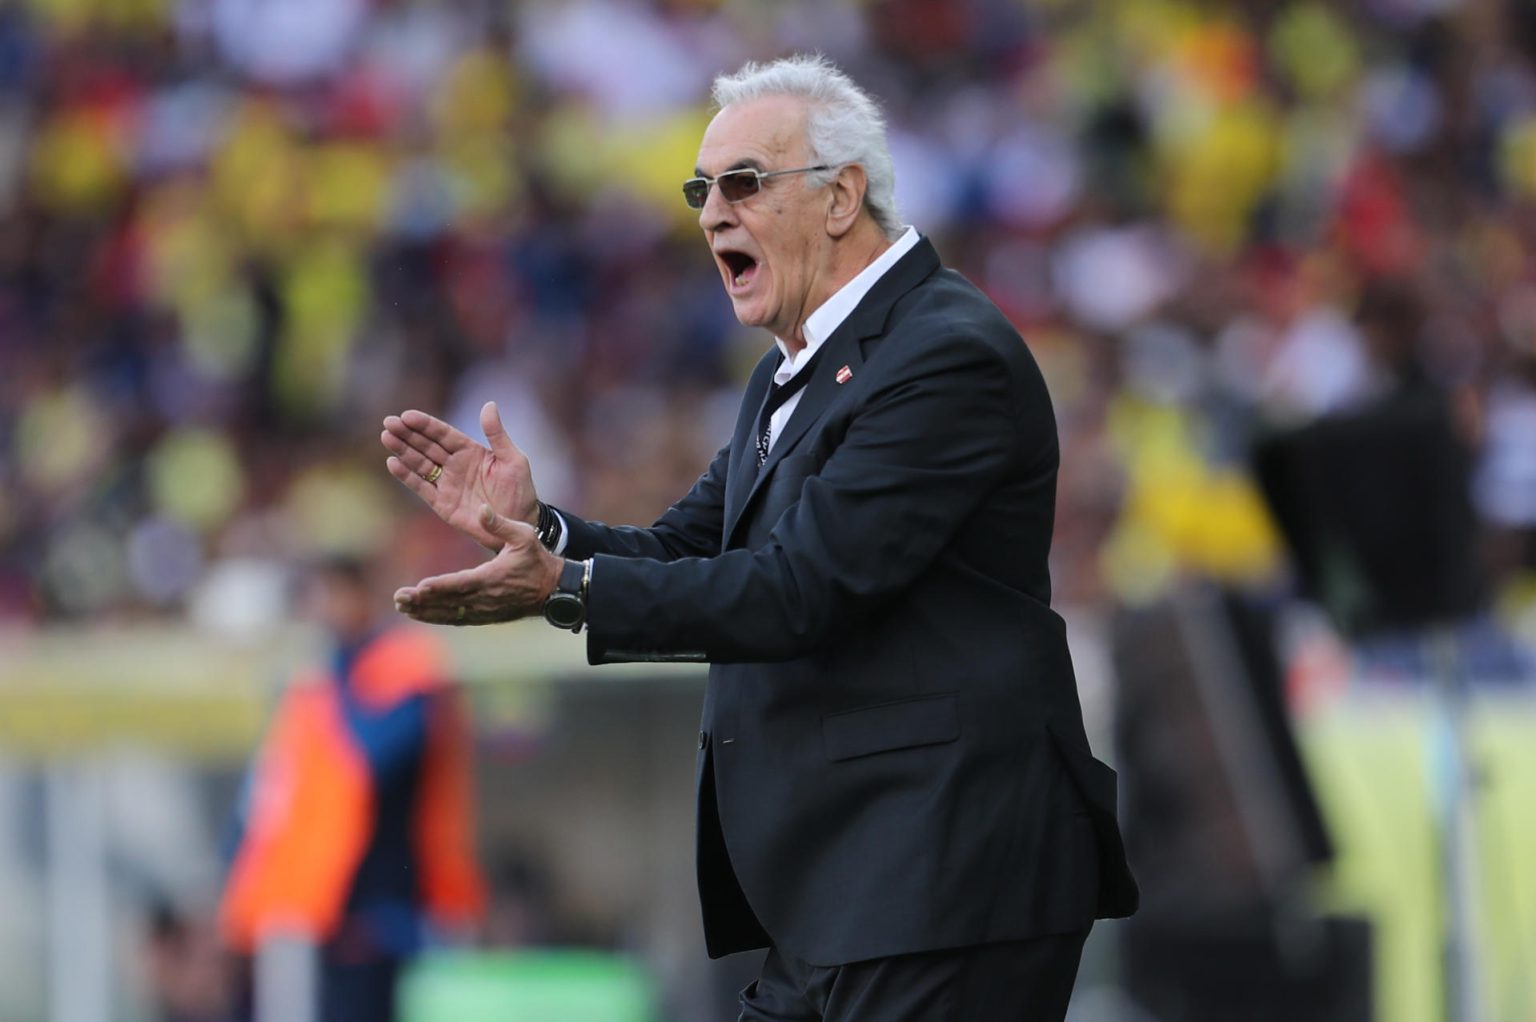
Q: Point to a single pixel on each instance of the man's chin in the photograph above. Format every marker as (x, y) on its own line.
(748, 313)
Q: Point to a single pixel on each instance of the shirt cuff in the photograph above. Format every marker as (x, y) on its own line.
(565, 533)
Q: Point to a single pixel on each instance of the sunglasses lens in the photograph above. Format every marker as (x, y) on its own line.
(695, 191)
(738, 185)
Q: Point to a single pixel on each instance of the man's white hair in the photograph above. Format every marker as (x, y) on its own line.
(844, 125)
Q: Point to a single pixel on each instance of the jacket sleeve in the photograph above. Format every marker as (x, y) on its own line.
(690, 528)
(932, 440)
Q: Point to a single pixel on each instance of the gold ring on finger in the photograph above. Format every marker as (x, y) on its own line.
(437, 470)
(461, 612)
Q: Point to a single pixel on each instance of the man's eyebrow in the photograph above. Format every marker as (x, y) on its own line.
(747, 164)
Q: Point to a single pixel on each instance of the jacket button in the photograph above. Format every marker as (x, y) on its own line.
(702, 738)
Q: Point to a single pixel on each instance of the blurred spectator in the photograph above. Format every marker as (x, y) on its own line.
(357, 833)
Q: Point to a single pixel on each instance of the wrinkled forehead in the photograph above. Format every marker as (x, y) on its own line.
(765, 134)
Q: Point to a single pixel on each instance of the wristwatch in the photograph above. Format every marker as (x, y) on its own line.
(566, 607)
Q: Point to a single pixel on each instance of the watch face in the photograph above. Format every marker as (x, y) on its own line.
(563, 610)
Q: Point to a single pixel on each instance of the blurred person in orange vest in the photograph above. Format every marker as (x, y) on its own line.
(356, 830)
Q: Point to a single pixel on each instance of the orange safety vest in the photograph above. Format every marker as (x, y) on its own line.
(312, 802)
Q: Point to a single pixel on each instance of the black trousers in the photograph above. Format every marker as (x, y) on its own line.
(1019, 981)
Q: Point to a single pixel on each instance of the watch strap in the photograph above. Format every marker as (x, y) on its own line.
(573, 579)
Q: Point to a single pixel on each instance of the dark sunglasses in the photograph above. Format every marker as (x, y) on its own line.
(736, 185)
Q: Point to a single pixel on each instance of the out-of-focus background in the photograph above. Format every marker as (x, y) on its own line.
(1276, 259)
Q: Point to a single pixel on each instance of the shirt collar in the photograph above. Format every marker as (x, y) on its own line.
(821, 324)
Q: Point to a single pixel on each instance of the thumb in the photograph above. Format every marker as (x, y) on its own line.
(495, 432)
(499, 526)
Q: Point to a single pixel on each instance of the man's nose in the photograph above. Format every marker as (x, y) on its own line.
(716, 213)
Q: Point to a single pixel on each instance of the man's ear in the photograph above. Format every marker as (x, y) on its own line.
(847, 199)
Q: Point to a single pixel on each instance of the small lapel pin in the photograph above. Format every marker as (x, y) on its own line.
(844, 374)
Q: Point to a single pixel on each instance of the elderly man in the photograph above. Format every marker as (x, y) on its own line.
(896, 795)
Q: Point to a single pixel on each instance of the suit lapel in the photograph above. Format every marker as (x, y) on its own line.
(842, 349)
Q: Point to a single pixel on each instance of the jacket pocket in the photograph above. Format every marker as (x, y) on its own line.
(928, 720)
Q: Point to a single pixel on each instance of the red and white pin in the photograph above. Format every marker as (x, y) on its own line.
(844, 374)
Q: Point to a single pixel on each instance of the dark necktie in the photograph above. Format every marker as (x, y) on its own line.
(777, 395)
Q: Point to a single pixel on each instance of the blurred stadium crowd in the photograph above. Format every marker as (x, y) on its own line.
(235, 233)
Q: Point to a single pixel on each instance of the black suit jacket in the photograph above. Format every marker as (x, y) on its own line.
(892, 756)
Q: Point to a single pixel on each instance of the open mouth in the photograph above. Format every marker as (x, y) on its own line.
(741, 267)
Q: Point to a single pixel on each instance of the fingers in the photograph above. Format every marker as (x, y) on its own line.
(444, 588)
(453, 599)
(411, 459)
(435, 452)
(433, 429)
(439, 614)
(495, 432)
(412, 479)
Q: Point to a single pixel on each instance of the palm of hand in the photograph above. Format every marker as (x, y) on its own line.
(475, 476)
(457, 476)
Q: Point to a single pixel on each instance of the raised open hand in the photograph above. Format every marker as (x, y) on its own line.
(456, 475)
